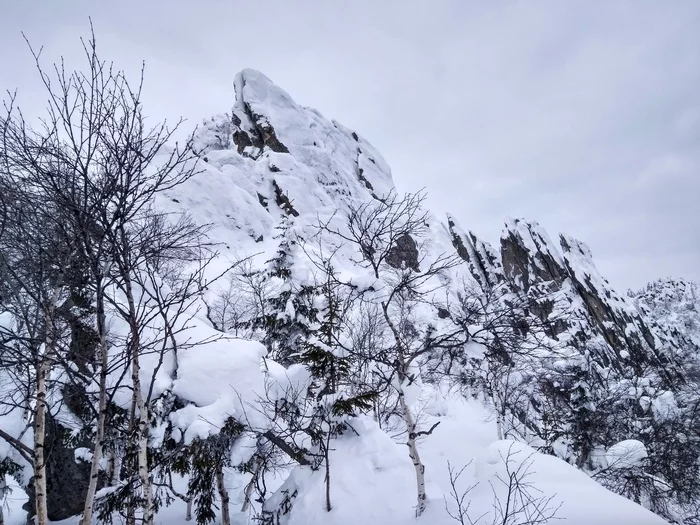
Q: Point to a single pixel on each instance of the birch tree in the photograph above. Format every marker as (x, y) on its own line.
(388, 239)
(85, 181)
(36, 260)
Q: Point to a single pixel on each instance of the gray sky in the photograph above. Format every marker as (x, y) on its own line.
(581, 115)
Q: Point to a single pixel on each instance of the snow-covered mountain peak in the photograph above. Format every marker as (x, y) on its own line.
(270, 159)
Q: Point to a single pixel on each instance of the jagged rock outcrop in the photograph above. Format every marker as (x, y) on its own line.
(564, 289)
(483, 261)
(67, 476)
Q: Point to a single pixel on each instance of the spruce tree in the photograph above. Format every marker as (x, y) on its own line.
(291, 312)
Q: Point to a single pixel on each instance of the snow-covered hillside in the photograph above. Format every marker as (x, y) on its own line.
(361, 358)
(271, 159)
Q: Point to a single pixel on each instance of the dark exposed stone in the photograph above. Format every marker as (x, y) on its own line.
(524, 268)
(242, 141)
(267, 133)
(262, 200)
(283, 201)
(404, 253)
(66, 478)
(363, 179)
(515, 260)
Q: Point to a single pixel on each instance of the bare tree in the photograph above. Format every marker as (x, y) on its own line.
(36, 264)
(387, 237)
(83, 184)
(239, 299)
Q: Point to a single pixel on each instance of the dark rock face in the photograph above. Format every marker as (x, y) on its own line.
(66, 478)
(268, 135)
(404, 254)
(529, 257)
(283, 201)
(484, 262)
(251, 129)
(243, 140)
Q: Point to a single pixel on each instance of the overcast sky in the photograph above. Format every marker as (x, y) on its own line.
(581, 115)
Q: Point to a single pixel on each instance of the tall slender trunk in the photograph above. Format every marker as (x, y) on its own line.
(41, 510)
(115, 466)
(101, 414)
(131, 509)
(42, 371)
(3, 491)
(140, 406)
(248, 492)
(327, 460)
(223, 494)
(142, 440)
(408, 417)
(413, 453)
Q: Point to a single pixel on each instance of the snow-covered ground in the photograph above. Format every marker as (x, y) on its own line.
(372, 478)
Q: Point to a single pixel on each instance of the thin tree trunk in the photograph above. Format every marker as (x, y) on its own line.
(131, 509)
(3, 492)
(413, 453)
(142, 441)
(408, 418)
(101, 417)
(116, 466)
(327, 459)
(42, 371)
(188, 514)
(41, 517)
(223, 494)
(247, 493)
(138, 402)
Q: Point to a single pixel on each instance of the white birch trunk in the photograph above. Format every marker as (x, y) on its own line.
(223, 494)
(142, 440)
(42, 371)
(188, 514)
(116, 467)
(102, 414)
(3, 492)
(41, 517)
(248, 492)
(140, 406)
(407, 417)
(413, 453)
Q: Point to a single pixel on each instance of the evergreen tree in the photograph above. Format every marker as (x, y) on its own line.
(291, 311)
